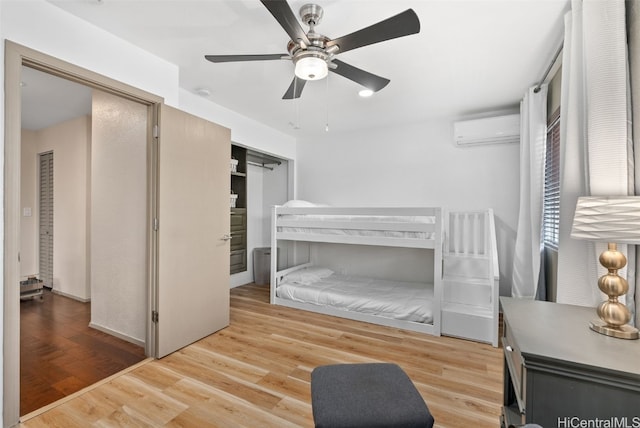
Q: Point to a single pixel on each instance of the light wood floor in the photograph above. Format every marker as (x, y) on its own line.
(256, 372)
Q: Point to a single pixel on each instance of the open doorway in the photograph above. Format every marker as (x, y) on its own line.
(178, 254)
(83, 201)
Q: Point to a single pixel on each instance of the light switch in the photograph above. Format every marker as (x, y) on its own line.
(26, 212)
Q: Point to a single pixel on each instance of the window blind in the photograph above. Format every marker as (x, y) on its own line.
(551, 203)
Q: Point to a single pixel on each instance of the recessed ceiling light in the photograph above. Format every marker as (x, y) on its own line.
(365, 93)
(203, 92)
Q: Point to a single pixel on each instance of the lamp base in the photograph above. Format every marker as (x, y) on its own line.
(623, 332)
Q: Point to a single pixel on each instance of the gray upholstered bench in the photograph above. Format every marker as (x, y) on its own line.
(366, 395)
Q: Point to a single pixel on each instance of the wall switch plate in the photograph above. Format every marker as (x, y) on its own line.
(26, 212)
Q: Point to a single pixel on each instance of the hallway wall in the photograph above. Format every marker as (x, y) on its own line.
(70, 142)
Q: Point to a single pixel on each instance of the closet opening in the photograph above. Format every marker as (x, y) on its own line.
(260, 181)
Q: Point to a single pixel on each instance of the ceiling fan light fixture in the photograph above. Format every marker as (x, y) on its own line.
(365, 93)
(311, 68)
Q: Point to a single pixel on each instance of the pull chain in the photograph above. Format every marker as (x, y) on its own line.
(295, 124)
(326, 126)
(297, 102)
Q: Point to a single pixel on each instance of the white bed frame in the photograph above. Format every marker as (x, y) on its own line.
(461, 314)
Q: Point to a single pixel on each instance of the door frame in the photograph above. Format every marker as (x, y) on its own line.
(17, 56)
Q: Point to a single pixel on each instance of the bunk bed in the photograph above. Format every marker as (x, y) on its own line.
(415, 306)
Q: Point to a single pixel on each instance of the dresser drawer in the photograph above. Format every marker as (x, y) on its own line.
(238, 261)
(238, 240)
(515, 364)
(238, 219)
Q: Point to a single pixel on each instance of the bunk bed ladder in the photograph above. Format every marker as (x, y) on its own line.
(470, 277)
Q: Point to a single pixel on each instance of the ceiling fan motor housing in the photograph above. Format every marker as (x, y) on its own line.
(311, 14)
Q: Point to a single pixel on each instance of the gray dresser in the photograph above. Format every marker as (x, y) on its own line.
(559, 373)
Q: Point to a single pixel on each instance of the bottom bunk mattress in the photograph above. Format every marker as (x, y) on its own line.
(401, 300)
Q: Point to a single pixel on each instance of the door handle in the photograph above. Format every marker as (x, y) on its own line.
(226, 237)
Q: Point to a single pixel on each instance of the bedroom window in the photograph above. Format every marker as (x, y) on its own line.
(551, 203)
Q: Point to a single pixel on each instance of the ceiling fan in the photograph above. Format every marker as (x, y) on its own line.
(313, 54)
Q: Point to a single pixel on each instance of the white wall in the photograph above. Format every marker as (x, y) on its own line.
(255, 202)
(274, 190)
(70, 143)
(28, 198)
(119, 216)
(244, 131)
(414, 165)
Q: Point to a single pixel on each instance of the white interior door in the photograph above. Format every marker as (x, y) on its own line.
(193, 218)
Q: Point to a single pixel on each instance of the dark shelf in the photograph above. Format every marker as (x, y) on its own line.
(239, 213)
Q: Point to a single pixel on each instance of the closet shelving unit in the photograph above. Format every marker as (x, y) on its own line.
(245, 157)
(238, 256)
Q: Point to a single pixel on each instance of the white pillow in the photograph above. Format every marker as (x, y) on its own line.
(298, 203)
(307, 276)
(320, 272)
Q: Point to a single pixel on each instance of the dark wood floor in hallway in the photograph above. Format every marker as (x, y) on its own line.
(60, 354)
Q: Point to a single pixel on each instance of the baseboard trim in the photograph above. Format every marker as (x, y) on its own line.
(117, 334)
(70, 296)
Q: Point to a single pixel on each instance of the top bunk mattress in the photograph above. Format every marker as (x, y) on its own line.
(358, 225)
(401, 300)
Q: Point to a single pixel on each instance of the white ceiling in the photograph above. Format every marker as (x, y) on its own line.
(48, 100)
(470, 57)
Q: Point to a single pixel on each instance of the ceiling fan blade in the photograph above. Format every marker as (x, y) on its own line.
(232, 58)
(284, 15)
(364, 78)
(403, 24)
(295, 89)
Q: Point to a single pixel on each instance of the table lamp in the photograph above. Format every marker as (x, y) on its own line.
(615, 220)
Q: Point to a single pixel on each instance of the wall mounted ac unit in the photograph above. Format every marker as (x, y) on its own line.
(488, 130)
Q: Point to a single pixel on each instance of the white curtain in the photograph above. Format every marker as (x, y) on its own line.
(633, 32)
(594, 153)
(533, 132)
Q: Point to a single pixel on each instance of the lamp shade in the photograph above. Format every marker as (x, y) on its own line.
(607, 218)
